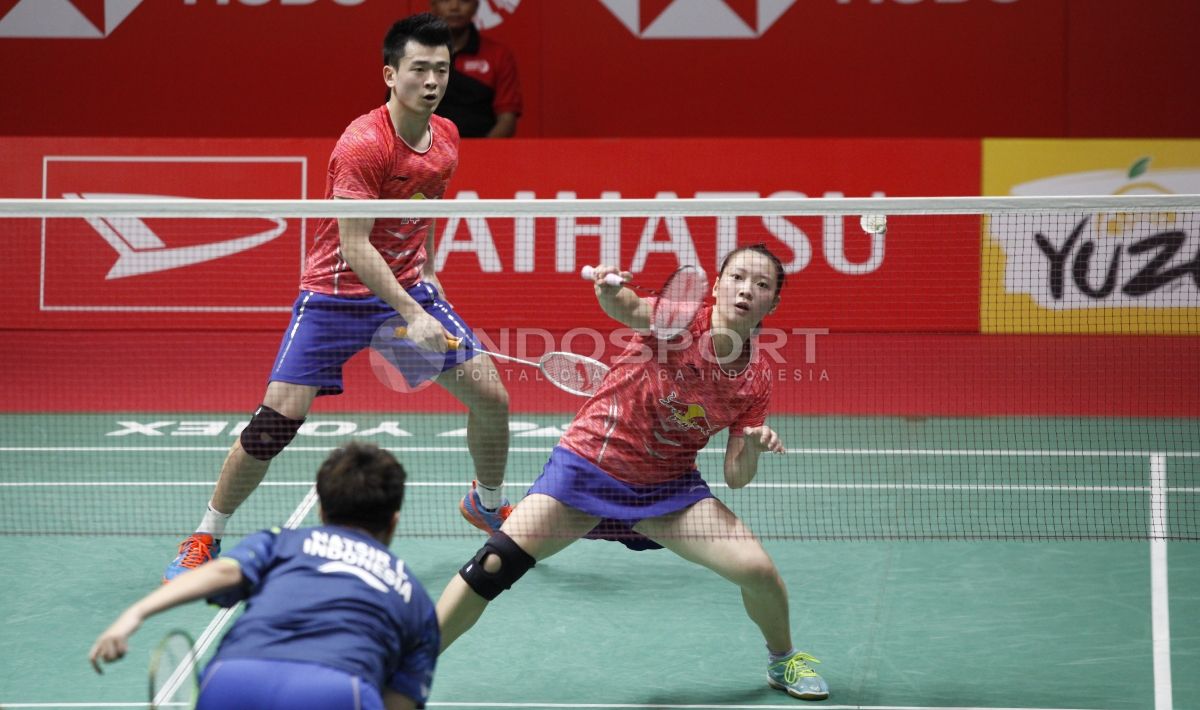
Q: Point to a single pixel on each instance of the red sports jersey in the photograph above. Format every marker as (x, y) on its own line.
(370, 162)
(659, 406)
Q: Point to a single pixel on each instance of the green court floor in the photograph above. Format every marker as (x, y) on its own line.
(934, 622)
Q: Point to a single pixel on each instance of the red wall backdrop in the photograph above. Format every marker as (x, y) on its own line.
(858, 68)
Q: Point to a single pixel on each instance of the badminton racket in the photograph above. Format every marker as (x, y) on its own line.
(173, 677)
(675, 304)
(571, 372)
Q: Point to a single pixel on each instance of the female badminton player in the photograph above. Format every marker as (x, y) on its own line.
(626, 467)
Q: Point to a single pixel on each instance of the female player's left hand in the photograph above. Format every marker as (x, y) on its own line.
(763, 438)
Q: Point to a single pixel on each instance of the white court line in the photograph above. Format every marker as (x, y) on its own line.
(209, 484)
(602, 706)
(1052, 453)
(793, 706)
(1159, 591)
(937, 487)
(318, 449)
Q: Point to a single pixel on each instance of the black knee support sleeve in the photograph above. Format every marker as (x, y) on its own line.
(514, 562)
(268, 432)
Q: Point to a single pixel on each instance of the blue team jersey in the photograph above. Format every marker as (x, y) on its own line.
(336, 597)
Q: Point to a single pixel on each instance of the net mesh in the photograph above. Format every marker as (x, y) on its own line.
(681, 296)
(992, 369)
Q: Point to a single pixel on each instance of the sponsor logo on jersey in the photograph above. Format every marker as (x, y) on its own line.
(686, 415)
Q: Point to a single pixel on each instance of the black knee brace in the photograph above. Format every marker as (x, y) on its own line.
(514, 562)
(268, 432)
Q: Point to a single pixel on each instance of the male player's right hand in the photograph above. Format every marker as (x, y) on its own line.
(426, 332)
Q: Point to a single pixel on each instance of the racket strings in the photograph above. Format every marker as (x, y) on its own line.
(173, 672)
(574, 373)
(679, 301)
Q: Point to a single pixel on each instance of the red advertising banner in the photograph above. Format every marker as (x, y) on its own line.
(171, 264)
(500, 273)
(147, 272)
(633, 68)
(839, 277)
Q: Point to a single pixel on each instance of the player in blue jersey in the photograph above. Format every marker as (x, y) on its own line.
(333, 620)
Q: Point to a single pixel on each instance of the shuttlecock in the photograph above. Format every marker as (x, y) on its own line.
(873, 223)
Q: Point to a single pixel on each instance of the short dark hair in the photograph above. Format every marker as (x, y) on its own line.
(361, 485)
(426, 29)
(759, 248)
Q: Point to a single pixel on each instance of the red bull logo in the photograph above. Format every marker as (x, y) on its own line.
(687, 415)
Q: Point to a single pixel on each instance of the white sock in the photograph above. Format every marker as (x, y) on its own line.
(780, 656)
(488, 496)
(213, 522)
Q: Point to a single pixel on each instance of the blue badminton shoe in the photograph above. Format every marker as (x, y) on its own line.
(197, 549)
(486, 520)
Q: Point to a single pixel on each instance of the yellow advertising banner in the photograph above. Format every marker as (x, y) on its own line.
(1079, 272)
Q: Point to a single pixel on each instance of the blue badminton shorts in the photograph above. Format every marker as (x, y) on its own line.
(263, 684)
(571, 479)
(326, 331)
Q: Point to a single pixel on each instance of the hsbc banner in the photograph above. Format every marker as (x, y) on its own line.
(518, 272)
(601, 68)
(1119, 273)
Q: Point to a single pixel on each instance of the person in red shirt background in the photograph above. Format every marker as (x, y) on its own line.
(484, 95)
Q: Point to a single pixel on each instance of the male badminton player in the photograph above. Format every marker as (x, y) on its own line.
(334, 620)
(360, 273)
(626, 467)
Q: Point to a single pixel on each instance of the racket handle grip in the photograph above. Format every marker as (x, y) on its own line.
(589, 273)
(451, 342)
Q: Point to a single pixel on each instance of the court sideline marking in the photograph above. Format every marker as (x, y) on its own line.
(1054, 453)
(601, 706)
(1159, 596)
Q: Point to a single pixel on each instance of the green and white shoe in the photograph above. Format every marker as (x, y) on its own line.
(795, 677)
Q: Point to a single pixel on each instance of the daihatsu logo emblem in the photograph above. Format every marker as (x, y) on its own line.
(141, 251)
(698, 19)
(65, 18)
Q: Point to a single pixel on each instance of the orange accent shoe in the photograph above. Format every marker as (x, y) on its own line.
(486, 520)
(197, 549)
